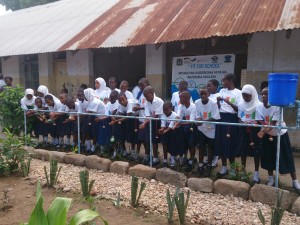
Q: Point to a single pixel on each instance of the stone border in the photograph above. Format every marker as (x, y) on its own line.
(257, 193)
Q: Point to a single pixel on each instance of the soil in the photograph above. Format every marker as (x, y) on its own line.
(20, 201)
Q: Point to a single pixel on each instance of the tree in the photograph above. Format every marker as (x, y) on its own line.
(21, 4)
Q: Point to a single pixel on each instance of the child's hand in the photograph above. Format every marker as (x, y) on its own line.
(136, 108)
(165, 131)
(219, 99)
(142, 126)
(160, 131)
(176, 125)
(261, 134)
(106, 100)
(97, 119)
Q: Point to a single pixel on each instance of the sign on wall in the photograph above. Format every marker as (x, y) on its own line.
(198, 70)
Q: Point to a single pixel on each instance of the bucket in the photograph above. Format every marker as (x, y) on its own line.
(282, 89)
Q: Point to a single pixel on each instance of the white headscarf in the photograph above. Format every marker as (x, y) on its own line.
(28, 102)
(89, 94)
(102, 84)
(43, 89)
(250, 106)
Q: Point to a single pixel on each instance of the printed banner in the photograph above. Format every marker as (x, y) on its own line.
(198, 70)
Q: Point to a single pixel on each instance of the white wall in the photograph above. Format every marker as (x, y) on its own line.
(80, 63)
(155, 59)
(45, 64)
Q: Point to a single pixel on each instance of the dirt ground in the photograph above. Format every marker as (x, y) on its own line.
(21, 201)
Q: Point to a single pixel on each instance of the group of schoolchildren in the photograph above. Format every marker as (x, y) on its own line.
(174, 124)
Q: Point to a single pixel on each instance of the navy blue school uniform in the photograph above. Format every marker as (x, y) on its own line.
(248, 144)
(56, 126)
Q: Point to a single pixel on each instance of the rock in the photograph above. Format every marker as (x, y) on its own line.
(29, 149)
(142, 171)
(119, 167)
(95, 162)
(41, 154)
(266, 194)
(75, 159)
(231, 187)
(296, 207)
(58, 156)
(168, 176)
(66, 189)
(201, 184)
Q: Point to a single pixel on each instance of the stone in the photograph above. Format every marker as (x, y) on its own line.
(58, 156)
(95, 162)
(232, 187)
(119, 167)
(75, 159)
(267, 195)
(201, 184)
(296, 207)
(29, 149)
(142, 171)
(168, 176)
(41, 154)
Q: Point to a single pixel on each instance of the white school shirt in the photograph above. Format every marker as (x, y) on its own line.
(76, 109)
(110, 108)
(135, 91)
(176, 101)
(102, 94)
(234, 97)
(244, 115)
(268, 115)
(207, 112)
(168, 123)
(129, 95)
(142, 102)
(129, 108)
(83, 106)
(154, 108)
(58, 107)
(189, 113)
(214, 96)
(25, 103)
(96, 106)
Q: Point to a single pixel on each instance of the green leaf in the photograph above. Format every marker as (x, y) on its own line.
(84, 216)
(58, 205)
(61, 219)
(38, 191)
(38, 216)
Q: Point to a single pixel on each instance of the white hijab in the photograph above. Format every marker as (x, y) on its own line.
(102, 84)
(28, 102)
(250, 106)
(89, 94)
(43, 89)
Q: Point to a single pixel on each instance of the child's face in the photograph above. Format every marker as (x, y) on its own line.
(211, 88)
(142, 85)
(113, 98)
(204, 94)
(167, 110)
(49, 102)
(264, 96)
(71, 105)
(247, 97)
(40, 94)
(225, 83)
(80, 96)
(123, 101)
(123, 87)
(38, 103)
(97, 84)
(183, 99)
(112, 83)
(29, 96)
(149, 96)
(182, 87)
(8, 82)
(63, 99)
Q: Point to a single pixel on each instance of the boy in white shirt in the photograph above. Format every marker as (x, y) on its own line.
(206, 110)
(187, 111)
(183, 86)
(153, 108)
(124, 89)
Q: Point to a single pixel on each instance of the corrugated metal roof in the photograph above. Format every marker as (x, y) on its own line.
(80, 24)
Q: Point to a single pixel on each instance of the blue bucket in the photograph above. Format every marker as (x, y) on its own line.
(282, 89)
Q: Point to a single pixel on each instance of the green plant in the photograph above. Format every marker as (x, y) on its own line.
(134, 190)
(11, 152)
(86, 186)
(54, 173)
(181, 205)
(276, 212)
(238, 172)
(57, 212)
(118, 202)
(11, 113)
(25, 167)
(171, 204)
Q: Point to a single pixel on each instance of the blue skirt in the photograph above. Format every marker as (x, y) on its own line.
(226, 138)
(104, 132)
(248, 142)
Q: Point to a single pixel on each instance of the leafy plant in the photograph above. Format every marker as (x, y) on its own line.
(86, 186)
(118, 202)
(276, 212)
(11, 113)
(171, 204)
(134, 190)
(238, 172)
(25, 167)
(54, 173)
(181, 205)
(57, 212)
(12, 152)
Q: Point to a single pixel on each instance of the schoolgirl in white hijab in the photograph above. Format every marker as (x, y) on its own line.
(101, 92)
(27, 102)
(42, 91)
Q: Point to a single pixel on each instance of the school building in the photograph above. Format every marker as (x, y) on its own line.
(73, 42)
